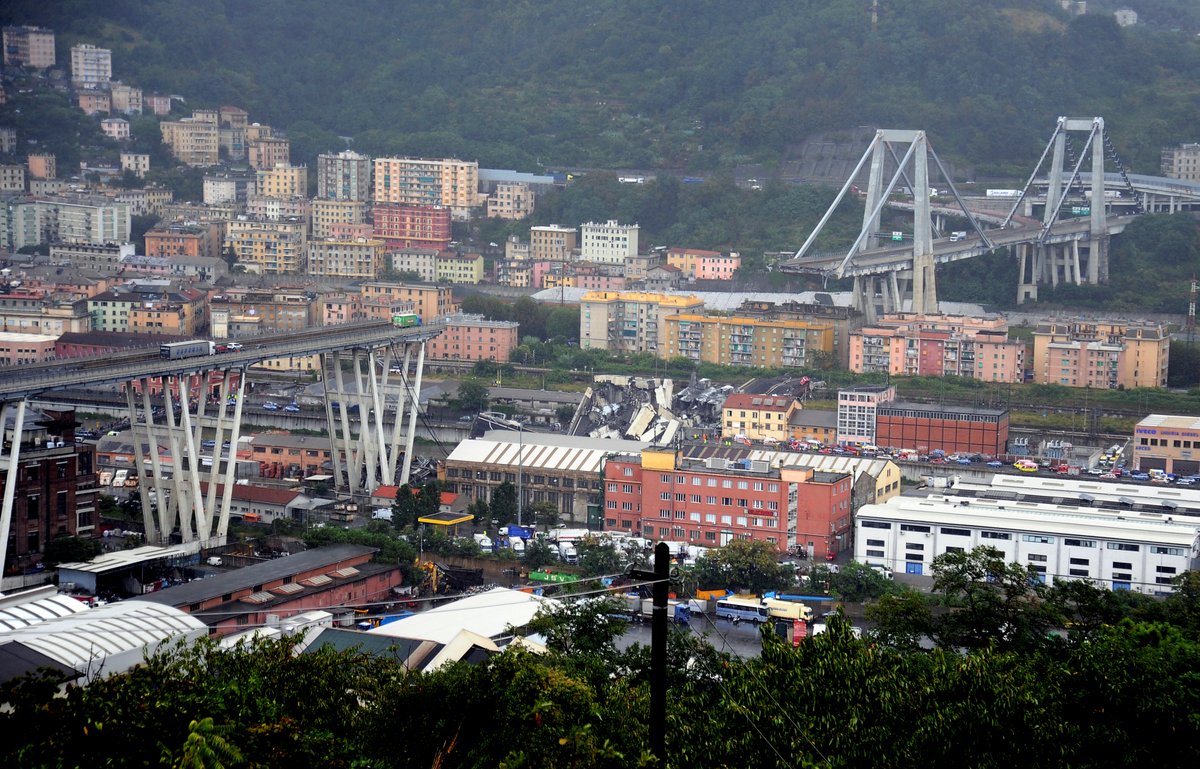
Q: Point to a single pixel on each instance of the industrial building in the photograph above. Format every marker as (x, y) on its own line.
(1170, 443)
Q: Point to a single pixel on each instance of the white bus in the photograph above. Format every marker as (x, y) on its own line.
(749, 609)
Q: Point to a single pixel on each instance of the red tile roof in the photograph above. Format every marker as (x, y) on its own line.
(248, 493)
(757, 402)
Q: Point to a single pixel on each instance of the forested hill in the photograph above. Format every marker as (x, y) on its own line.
(680, 84)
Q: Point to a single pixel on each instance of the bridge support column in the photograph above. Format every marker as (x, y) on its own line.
(864, 302)
(12, 462)
(1027, 274)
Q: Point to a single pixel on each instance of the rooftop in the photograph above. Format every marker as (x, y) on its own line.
(489, 614)
(759, 402)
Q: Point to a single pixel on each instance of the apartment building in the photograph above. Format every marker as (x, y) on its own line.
(94, 102)
(552, 243)
(8, 141)
(429, 301)
(268, 248)
(157, 104)
(131, 308)
(195, 140)
(42, 165)
(907, 344)
(55, 492)
(29, 47)
(116, 128)
(145, 201)
(126, 99)
(629, 321)
(229, 189)
(758, 417)
(327, 214)
(84, 219)
(361, 258)
(18, 349)
(515, 273)
(12, 178)
(340, 308)
(91, 67)
(30, 311)
(137, 163)
(344, 176)
(411, 226)
(282, 180)
(421, 261)
(448, 182)
(265, 154)
(510, 200)
(1099, 354)
(857, 411)
(101, 257)
(199, 212)
(472, 337)
(1182, 162)
(712, 502)
(698, 264)
(168, 319)
(608, 243)
(233, 122)
(749, 341)
(179, 239)
(463, 269)
(278, 208)
(263, 310)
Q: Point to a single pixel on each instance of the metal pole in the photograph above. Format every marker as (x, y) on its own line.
(520, 472)
(658, 653)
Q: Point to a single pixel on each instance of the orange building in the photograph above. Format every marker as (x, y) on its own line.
(472, 337)
(428, 300)
(185, 240)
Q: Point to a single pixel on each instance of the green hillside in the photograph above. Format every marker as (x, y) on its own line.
(681, 84)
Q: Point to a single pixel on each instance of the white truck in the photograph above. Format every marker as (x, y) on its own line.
(517, 544)
(568, 553)
(483, 540)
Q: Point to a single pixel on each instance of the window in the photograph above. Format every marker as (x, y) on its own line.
(627, 488)
(727, 501)
(875, 543)
(875, 525)
(955, 550)
(995, 535)
(956, 532)
(627, 472)
(1123, 546)
(611, 504)
(612, 487)
(1159, 550)
(1164, 580)
(875, 554)
(1079, 542)
(1037, 557)
(1165, 569)
(1122, 565)
(1078, 572)
(696, 498)
(710, 500)
(1038, 538)
(914, 527)
(1123, 577)
(680, 497)
(914, 546)
(1079, 562)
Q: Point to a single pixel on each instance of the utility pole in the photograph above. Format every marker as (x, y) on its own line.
(658, 648)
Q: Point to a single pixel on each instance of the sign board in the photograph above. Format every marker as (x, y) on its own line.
(897, 236)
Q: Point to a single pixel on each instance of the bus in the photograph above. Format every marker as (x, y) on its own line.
(781, 609)
(734, 608)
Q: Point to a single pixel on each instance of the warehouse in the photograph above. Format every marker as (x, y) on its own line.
(1115, 549)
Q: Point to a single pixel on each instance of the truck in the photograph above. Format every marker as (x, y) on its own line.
(484, 541)
(191, 349)
(783, 609)
(568, 553)
(406, 320)
(517, 544)
(119, 477)
(513, 530)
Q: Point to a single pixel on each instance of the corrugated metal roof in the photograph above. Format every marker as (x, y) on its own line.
(39, 610)
(571, 453)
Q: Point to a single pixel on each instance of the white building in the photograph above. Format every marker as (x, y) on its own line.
(1125, 17)
(856, 413)
(608, 243)
(422, 261)
(1114, 549)
(90, 66)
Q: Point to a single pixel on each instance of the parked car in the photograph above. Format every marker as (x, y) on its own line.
(995, 463)
(292, 408)
(271, 406)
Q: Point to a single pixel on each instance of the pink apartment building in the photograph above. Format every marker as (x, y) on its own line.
(717, 267)
(907, 344)
(473, 337)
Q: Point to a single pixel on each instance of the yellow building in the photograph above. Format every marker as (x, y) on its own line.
(282, 181)
(429, 301)
(358, 258)
(195, 140)
(327, 214)
(758, 417)
(266, 247)
(427, 182)
(552, 243)
(305, 363)
(464, 269)
(742, 341)
(631, 321)
(1104, 355)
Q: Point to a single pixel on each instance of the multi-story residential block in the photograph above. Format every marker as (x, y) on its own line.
(94, 102)
(343, 231)
(275, 209)
(115, 128)
(1107, 355)
(233, 122)
(164, 319)
(720, 267)
(1064, 540)
(12, 178)
(1182, 162)
(552, 243)
(422, 262)
(429, 301)
(126, 99)
(198, 212)
(1169, 443)
(90, 66)
(40, 312)
(344, 176)
(713, 502)
(158, 104)
(448, 182)
(516, 249)
(629, 321)
(857, 411)
(465, 269)
(510, 200)
(608, 243)
(194, 140)
(229, 189)
(268, 248)
(138, 163)
(662, 277)
(85, 219)
(907, 344)
(178, 239)
(104, 258)
(472, 337)
(55, 490)
(121, 308)
(592, 277)
(8, 141)
(515, 273)
(758, 417)
(282, 181)
(262, 311)
(739, 340)
(953, 429)
(21, 223)
(42, 165)
(357, 259)
(408, 226)
(687, 259)
(340, 308)
(265, 154)
(29, 47)
(326, 214)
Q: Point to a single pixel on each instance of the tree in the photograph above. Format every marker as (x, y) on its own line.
(407, 508)
(902, 620)
(857, 582)
(472, 396)
(599, 558)
(207, 748)
(70, 550)
(539, 553)
(504, 504)
(743, 564)
(584, 626)
(544, 513)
